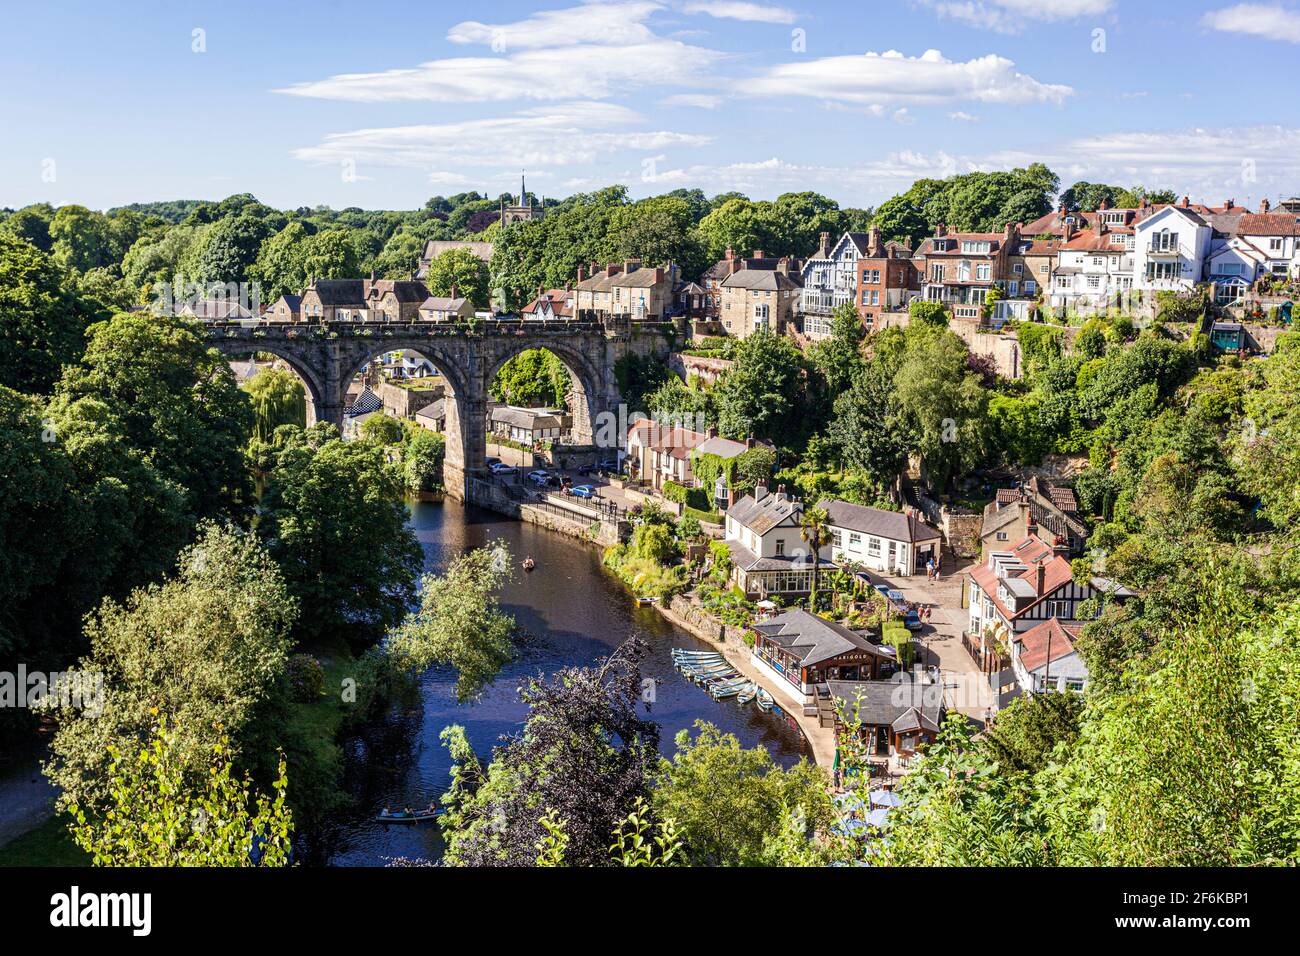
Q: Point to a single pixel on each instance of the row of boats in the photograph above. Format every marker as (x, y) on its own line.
(715, 674)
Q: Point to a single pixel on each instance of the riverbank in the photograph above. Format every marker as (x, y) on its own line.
(821, 740)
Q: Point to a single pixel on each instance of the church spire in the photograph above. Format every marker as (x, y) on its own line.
(523, 190)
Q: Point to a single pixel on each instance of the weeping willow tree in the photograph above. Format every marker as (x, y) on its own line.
(278, 399)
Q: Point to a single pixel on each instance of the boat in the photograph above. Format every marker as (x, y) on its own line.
(409, 816)
(726, 690)
(763, 699)
(529, 564)
(747, 693)
(647, 600)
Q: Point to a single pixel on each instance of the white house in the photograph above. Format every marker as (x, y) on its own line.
(1170, 249)
(886, 541)
(1044, 660)
(1233, 267)
(768, 554)
(830, 279)
(1093, 267)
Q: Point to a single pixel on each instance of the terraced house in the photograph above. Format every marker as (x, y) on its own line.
(754, 299)
(829, 278)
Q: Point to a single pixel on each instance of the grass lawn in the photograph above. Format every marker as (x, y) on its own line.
(50, 844)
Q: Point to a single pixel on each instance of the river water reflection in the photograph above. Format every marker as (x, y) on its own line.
(576, 613)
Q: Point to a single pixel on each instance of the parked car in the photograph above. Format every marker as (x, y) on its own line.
(912, 621)
(609, 464)
(882, 588)
(538, 477)
(500, 468)
(492, 461)
(583, 491)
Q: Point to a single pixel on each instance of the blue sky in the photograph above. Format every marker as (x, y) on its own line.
(383, 104)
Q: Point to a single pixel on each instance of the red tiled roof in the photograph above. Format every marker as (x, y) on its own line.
(1033, 650)
(1089, 240)
(1033, 552)
(1268, 224)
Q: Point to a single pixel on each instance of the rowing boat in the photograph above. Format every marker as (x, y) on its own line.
(746, 693)
(412, 816)
(763, 699)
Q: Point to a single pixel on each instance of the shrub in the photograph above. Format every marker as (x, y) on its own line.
(306, 678)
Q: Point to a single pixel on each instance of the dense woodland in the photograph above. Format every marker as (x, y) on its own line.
(192, 541)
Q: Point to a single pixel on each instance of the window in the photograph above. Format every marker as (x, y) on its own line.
(780, 547)
(982, 271)
(978, 248)
(1074, 686)
(873, 547)
(1031, 287)
(866, 297)
(1058, 609)
(1018, 268)
(1002, 536)
(1013, 288)
(836, 538)
(855, 541)
(1098, 260)
(1163, 270)
(1275, 244)
(1164, 241)
(1094, 282)
(936, 272)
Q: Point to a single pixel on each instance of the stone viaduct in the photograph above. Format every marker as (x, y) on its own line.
(328, 356)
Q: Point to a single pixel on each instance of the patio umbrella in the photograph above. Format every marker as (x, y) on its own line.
(878, 818)
(885, 798)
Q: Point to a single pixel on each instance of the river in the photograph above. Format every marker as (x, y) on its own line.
(576, 613)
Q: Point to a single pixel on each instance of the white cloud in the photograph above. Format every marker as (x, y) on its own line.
(592, 51)
(1256, 19)
(604, 23)
(735, 10)
(558, 135)
(703, 101)
(892, 77)
(1013, 16)
(961, 116)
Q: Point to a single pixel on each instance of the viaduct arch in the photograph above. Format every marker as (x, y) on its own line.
(327, 356)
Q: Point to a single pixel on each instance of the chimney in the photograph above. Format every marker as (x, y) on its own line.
(780, 493)
(1185, 202)
(783, 266)
(659, 275)
(758, 254)
(939, 230)
(1264, 205)
(733, 265)
(749, 442)
(1008, 231)
(731, 253)
(1104, 204)
(541, 289)
(760, 491)
(611, 270)
(454, 290)
(1143, 202)
(1041, 578)
(824, 249)
(873, 241)
(1069, 231)
(582, 272)
(1228, 204)
(1062, 211)
(1101, 228)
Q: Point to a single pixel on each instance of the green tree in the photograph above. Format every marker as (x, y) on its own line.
(762, 393)
(815, 531)
(382, 430)
(208, 646)
(462, 270)
(728, 802)
(281, 265)
(80, 238)
(333, 517)
(278, 399)
(159, 816)
(331, 254)
(42, 321)
(460, 622)
(228, 251)
(941, 406)
(422, 460)
(175, 400)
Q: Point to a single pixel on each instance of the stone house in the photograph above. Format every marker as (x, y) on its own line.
(759, 298)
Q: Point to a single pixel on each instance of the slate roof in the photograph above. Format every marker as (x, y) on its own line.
(443, 303)
(762, 280)
(435, 411)
(875, 521)
(365, 403)
(336, 292)
(294, 302)
(403, 290)
(530, 418)
(763, 515)
(748, 561)
(812, 639)
(722, 447)
(903, 705)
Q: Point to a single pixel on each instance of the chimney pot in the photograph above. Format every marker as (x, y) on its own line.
(582, 273)
(1186, 201)
(758, 253)
(731, 253)
(1042, 578)
(1264, 205)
